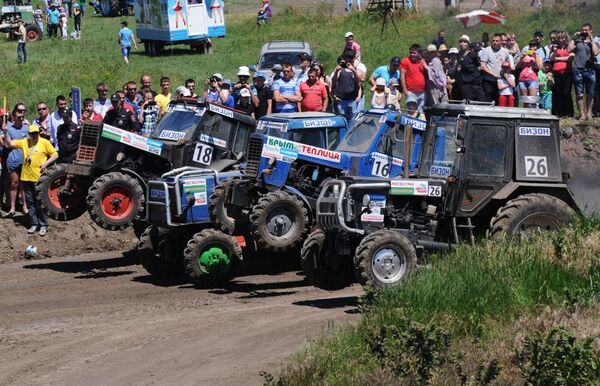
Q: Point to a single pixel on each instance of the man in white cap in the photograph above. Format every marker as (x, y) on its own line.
(242, 83)
(244, 103)
(351, 44)
(182, 92)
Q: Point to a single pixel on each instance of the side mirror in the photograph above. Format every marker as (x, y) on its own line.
(252, 67)
(240, 156)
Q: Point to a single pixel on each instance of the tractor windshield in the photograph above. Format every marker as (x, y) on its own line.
(439, 152)
(175, 125)
(360, 137)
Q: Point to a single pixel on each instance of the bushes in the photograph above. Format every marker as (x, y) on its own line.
(558, 359)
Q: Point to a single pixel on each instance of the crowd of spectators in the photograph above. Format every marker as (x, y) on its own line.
(541, 75)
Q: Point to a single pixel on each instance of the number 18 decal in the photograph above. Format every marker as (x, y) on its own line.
(536, 166)
(203, 154)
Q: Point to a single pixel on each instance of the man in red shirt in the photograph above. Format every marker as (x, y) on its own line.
(314, 93)
(413, 75)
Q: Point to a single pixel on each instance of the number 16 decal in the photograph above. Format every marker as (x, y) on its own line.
(203, 154)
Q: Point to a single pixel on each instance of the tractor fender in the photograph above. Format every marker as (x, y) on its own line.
(223, 164)
(302, 197)
(134, 174)
(561, 191)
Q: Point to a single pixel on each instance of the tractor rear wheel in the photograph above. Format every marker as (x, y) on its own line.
(159, 253)
(115, 200)
(279, 221)
(33, 33)
(210, 257)
(219, 214)
(317, 264)
(384, 259)
(61, 197)
(530, 213)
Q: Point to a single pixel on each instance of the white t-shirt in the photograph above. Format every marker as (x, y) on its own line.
(102, 107)
(502, 81)
(493, 59)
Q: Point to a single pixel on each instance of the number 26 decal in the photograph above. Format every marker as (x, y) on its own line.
(536, 166)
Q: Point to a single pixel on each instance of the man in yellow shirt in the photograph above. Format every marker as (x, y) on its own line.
(38, 153)
(163, 99)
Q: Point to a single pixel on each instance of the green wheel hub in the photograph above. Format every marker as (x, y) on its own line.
(214, 260)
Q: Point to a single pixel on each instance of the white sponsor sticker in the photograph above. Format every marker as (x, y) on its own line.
(213, 140)
(318, 123)
(171, 135)
(139, 142)
(282, 148)
(196, 187)
(409, 188)
(203, 153)
(534, 131)
(417, 124)
(536, 166)
(220, 110)
(375, 214)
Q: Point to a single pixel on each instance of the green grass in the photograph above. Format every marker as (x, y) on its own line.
(475, 294)
(54, 66)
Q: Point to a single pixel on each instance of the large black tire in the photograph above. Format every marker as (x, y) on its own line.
(221, 248)
(160, 254)
(33, 33)
(279, 221)
(315, 261)
(530, 212)
(115, 200)
(218, 211)
(56, 201)
(384, 259)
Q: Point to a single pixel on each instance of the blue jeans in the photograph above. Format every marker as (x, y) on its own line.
(349, 4)
(361, 104)
(347, 109)
(37, 217)
(585, 81)
(21, 53)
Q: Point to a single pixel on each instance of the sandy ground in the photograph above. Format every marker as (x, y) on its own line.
(99, 319)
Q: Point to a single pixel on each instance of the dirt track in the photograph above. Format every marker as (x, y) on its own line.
(100, 319)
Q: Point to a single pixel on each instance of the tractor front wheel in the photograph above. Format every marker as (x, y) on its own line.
(210, 257)
(115, 200)
(384, 259)
(62, 197)
(279, 221)
(159, 253)
(321, 268)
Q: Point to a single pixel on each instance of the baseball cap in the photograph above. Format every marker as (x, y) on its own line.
(115, 97)
(395, 61)
(411, 99)
(453, 50)
(348, 34)
(217, 75)
(260, 74)
(226, 82)
(184, 91)
(465, 38)
(304, 57)
(277, 67)
(68, 111)
(506, 63)
(474, 46)
(380, 82)
(244, 92)
(393, 81)
(243, 71)
(538, 33)
(431, 48)
(33, 129)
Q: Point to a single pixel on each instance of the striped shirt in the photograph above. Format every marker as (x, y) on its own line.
(286, 88)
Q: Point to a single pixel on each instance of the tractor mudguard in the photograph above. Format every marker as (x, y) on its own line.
(561, 191)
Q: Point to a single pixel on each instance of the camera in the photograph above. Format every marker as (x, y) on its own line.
(343, 64)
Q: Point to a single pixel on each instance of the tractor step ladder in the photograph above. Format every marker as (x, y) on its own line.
(468, 226)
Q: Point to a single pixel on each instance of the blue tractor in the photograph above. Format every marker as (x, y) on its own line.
(284, 176)
(181, 237)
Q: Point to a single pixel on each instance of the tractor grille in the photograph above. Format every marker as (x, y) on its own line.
(88, 142)
(326, 214)
(255, 146)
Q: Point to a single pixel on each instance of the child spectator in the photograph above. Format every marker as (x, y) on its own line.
(148, 114)
(528, 80)
(546, 81)
(395, 96)
(62, 22)
(380, 94)
(506, 86)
